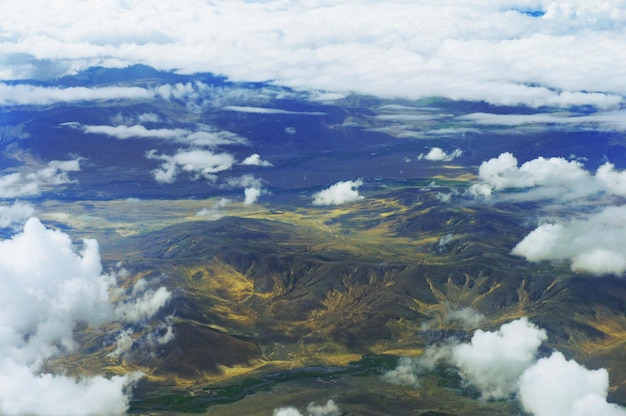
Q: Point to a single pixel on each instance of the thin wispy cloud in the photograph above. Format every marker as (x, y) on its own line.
(607, 120)
(134, 131)
(25, 94)
(204, 136)
(436, 154)
(265, 110)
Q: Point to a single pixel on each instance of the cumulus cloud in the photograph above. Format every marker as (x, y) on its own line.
(592, 242)
(503, 173)
(200, 163)
(595, 243)
(15, 215)
(39, 267)
(546, 178)
(328, 409)
(612, 180)
(555, 386)
(504, 364)
(251, 195)
(437, 154)
(134, 131)
(339, 193)
(25, 393)
(25, 183)
(494, 361)
(255, 160)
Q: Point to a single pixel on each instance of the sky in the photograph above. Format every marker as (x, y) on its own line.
(532, 52)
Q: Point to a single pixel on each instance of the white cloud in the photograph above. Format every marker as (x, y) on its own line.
(468, 317)
(255, 160)
(556, 176)
(253, 187)
(555, 386)
(503, 173)
(287, 411)
(591, 242)
(503, 364)
(602, 120)
(212, 138)
(405, 373)
(134, 131)
(144, 307)
(24, 183)
(215, 212)
(405, 117)
(251, 195)
(39, 267)
(612, 180)
(542, 178)
(437, 154)
(328, 409)
(25, 393)
(15, 215)
(595, 243)
(571, 55)
(494, 361)
(205, 136)
(265, 110)
(201, 163)
(339, 193)
(148, 118)
(24, 94)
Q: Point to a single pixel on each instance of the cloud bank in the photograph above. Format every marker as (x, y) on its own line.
(39, 267)
(563, 53)
(339, 193)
